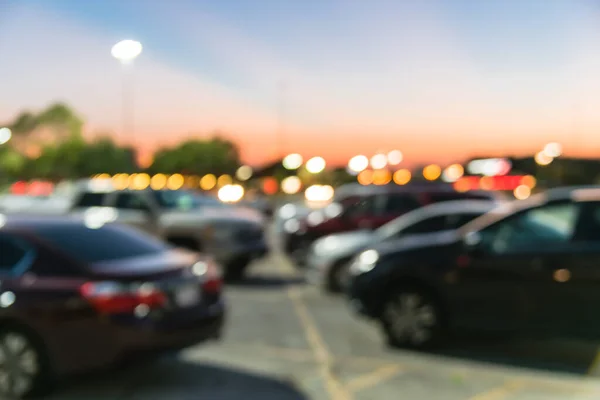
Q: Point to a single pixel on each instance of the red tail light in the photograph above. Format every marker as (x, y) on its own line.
(212, 281)
(116, 298)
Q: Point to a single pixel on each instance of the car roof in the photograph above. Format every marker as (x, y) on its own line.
(355, 189)
(457, 207)
(26, 222)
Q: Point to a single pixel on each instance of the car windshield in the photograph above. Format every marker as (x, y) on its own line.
(184, 200)
(109, 242)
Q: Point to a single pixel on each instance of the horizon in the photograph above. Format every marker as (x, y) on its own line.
(470, 78)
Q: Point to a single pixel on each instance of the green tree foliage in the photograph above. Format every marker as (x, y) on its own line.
(216, 155)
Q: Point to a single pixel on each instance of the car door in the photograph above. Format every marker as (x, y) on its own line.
(506, 281)
(575, 288)
(135, 209)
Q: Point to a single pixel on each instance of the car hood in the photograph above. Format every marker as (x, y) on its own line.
(417, 243)
(341, 244)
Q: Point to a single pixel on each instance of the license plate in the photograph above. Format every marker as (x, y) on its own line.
(187, 296)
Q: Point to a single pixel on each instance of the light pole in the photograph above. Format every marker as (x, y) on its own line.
(126, 51)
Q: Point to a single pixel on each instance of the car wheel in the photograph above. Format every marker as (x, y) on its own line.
(412, 318)
(24, 368)
(338, 278)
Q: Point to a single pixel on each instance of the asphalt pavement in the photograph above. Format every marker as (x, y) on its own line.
(287, 340)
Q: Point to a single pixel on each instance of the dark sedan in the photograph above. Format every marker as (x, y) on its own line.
(531, 266)
(74, 298)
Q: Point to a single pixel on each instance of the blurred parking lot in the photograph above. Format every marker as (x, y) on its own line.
(287, 340)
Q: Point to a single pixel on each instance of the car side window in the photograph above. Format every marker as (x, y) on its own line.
(14, 254)
(428, 225)
(548, 225)
(400, 203)
(455, 221)
(91, 199)
(365, 206)
(131, 201)
(588, 229)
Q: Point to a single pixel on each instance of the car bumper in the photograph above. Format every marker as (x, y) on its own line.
(116, 338)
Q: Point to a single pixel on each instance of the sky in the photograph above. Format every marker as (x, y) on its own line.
(441, 80)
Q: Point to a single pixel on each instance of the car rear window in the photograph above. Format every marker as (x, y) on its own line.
(109, 242)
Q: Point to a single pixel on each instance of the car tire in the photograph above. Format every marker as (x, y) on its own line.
(336, 280)
(25, 369)
(412, 318)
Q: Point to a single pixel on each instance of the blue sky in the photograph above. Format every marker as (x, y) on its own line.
(472, 75)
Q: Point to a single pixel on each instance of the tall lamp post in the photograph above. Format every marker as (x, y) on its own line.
(126, 51)
(5, 136)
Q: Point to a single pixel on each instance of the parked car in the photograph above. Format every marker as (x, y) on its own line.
(74, 298)
(369, 207)
(234, 236)
(530, 266)
(329, 257)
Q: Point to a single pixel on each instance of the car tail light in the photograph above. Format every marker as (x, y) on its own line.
(116, 298)
(209, 272)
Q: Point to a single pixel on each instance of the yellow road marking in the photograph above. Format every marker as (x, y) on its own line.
(594, 365)
(500, 392)
(334, 387)
(374, 378)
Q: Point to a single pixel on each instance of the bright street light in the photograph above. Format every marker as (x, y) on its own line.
(126, 51)
(5, 135)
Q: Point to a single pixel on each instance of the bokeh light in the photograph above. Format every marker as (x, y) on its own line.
(120, 181)
(541, 158)
(522, 192)
(382, 177)
(365, 177)
(244, 173)
(395, 157)
(529, 181)
(175, 182)
(231, 193)
(553, 150)
(379, 161)
(453, 173)
(292, 161)
(358, 163)
(158, 182)
(5, 135)
(432, 172)
(315, 165)
(270, 186)
(319, 193)
(224, 180)
(208, 182)
(402, 177)
(140, 182)
(291, 185)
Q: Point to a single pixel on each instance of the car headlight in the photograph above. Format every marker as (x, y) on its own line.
(365, 262)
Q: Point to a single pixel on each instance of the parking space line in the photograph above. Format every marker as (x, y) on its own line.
(373, 378)
(593, 369)
(333, 385)
(500, 392)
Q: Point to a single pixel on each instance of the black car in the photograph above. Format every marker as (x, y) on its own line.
(74, 298)
(369, 207)
(530, 266)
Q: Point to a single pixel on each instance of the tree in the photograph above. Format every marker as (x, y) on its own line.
(198, 157)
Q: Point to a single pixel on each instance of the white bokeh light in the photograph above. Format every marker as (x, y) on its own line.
(358, 163)
(315, 165)
(126, 50)
(379, 161)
